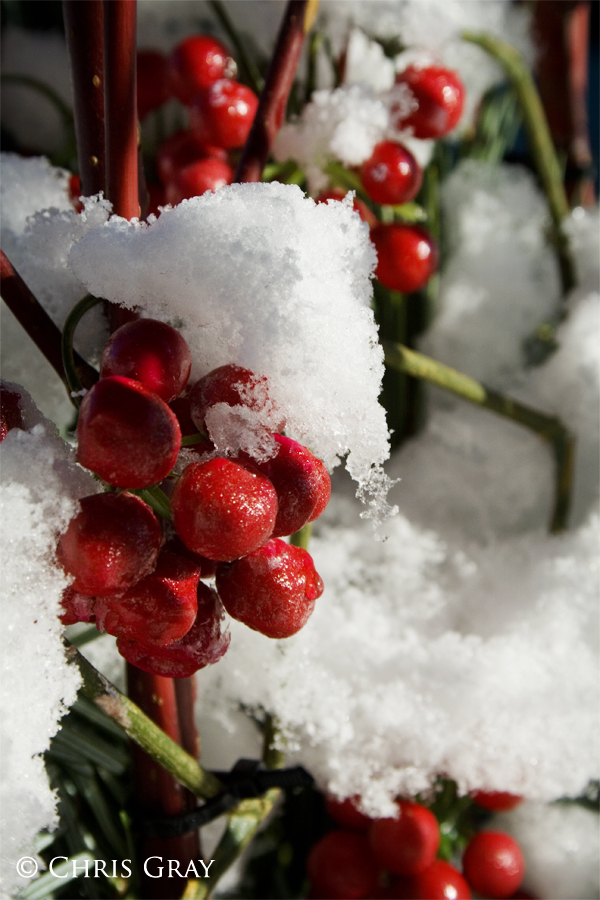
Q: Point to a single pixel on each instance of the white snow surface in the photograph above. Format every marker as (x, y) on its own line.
(40, 486)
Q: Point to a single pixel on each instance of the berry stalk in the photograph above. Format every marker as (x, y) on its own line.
(297, 20)
(540, 142)
(549, 428)
(85, 43)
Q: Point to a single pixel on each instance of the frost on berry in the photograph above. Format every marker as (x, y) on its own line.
(223, 511)
(158, 610)
(112, 543)
(204, 644)
(151, 352)
(272, 590)
(126, 434)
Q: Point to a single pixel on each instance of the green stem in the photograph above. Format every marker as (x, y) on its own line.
(249, 68)
(141, 729)
(191, 440)
(74, 384)
(244, 822)
(540, 141)
(549, 428)
(156, 499)
(49, 93)
(302, 538)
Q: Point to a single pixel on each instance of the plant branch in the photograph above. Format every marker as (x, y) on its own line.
(37, 323)
(243, 823)
(549, 428)
(297, 20)
(85, 43)
(142, 730)
(249, 68)
(540, 141)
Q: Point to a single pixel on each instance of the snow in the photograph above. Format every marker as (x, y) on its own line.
(40, 485)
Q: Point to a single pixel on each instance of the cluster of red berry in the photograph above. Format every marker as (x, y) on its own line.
(228, 515)
(201, 74)
(395, 858)
(407, 254)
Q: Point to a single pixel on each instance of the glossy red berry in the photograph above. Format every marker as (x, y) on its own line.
(341, 867)
(223, 511)
(496, 801)
(493, 864)
(197, 62)
(127, 435)
(408, 843)
(407, 256)
(346, 813)
(112, 543)
(151, 352)
(10, 410)
(223, 113)
(272, 590)
(440, 94)
(439, 881)
(194, 180)
(76, 607)
(233, 385)
(152, 81)
(157, 610)
(204, 644)
(391, 175)
(180, 150)
(302, 483)
(208, 567)
(359, 205)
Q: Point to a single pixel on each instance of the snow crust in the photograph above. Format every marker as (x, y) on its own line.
(39, 488)
(260, 276)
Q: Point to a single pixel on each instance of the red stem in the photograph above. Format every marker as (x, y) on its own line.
(273, 99)
(85, 42)
(37, 323)
(157, 793)
(562, 32)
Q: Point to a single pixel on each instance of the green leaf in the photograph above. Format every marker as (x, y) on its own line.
(47, 884)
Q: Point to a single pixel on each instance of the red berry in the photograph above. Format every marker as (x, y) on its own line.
(180, 150)
(346, 813)
(391, 174)
(493, 864)
(223, 511)
(76, 607)
(440, 94)
(157, 610)
(151, 352)
(439, 881)
(232, 385)
(272, 590)
(75, 193)
(408, 843)
(223, 113)
(10, 411)
(112, 543)
(152, 81)
(196, 63)
(496, 801)
(194, 180)
(208, 567)
(302, 483)
(359, 205)
(127, 435)
(341, 866)
(204, 644)
(407, 256)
